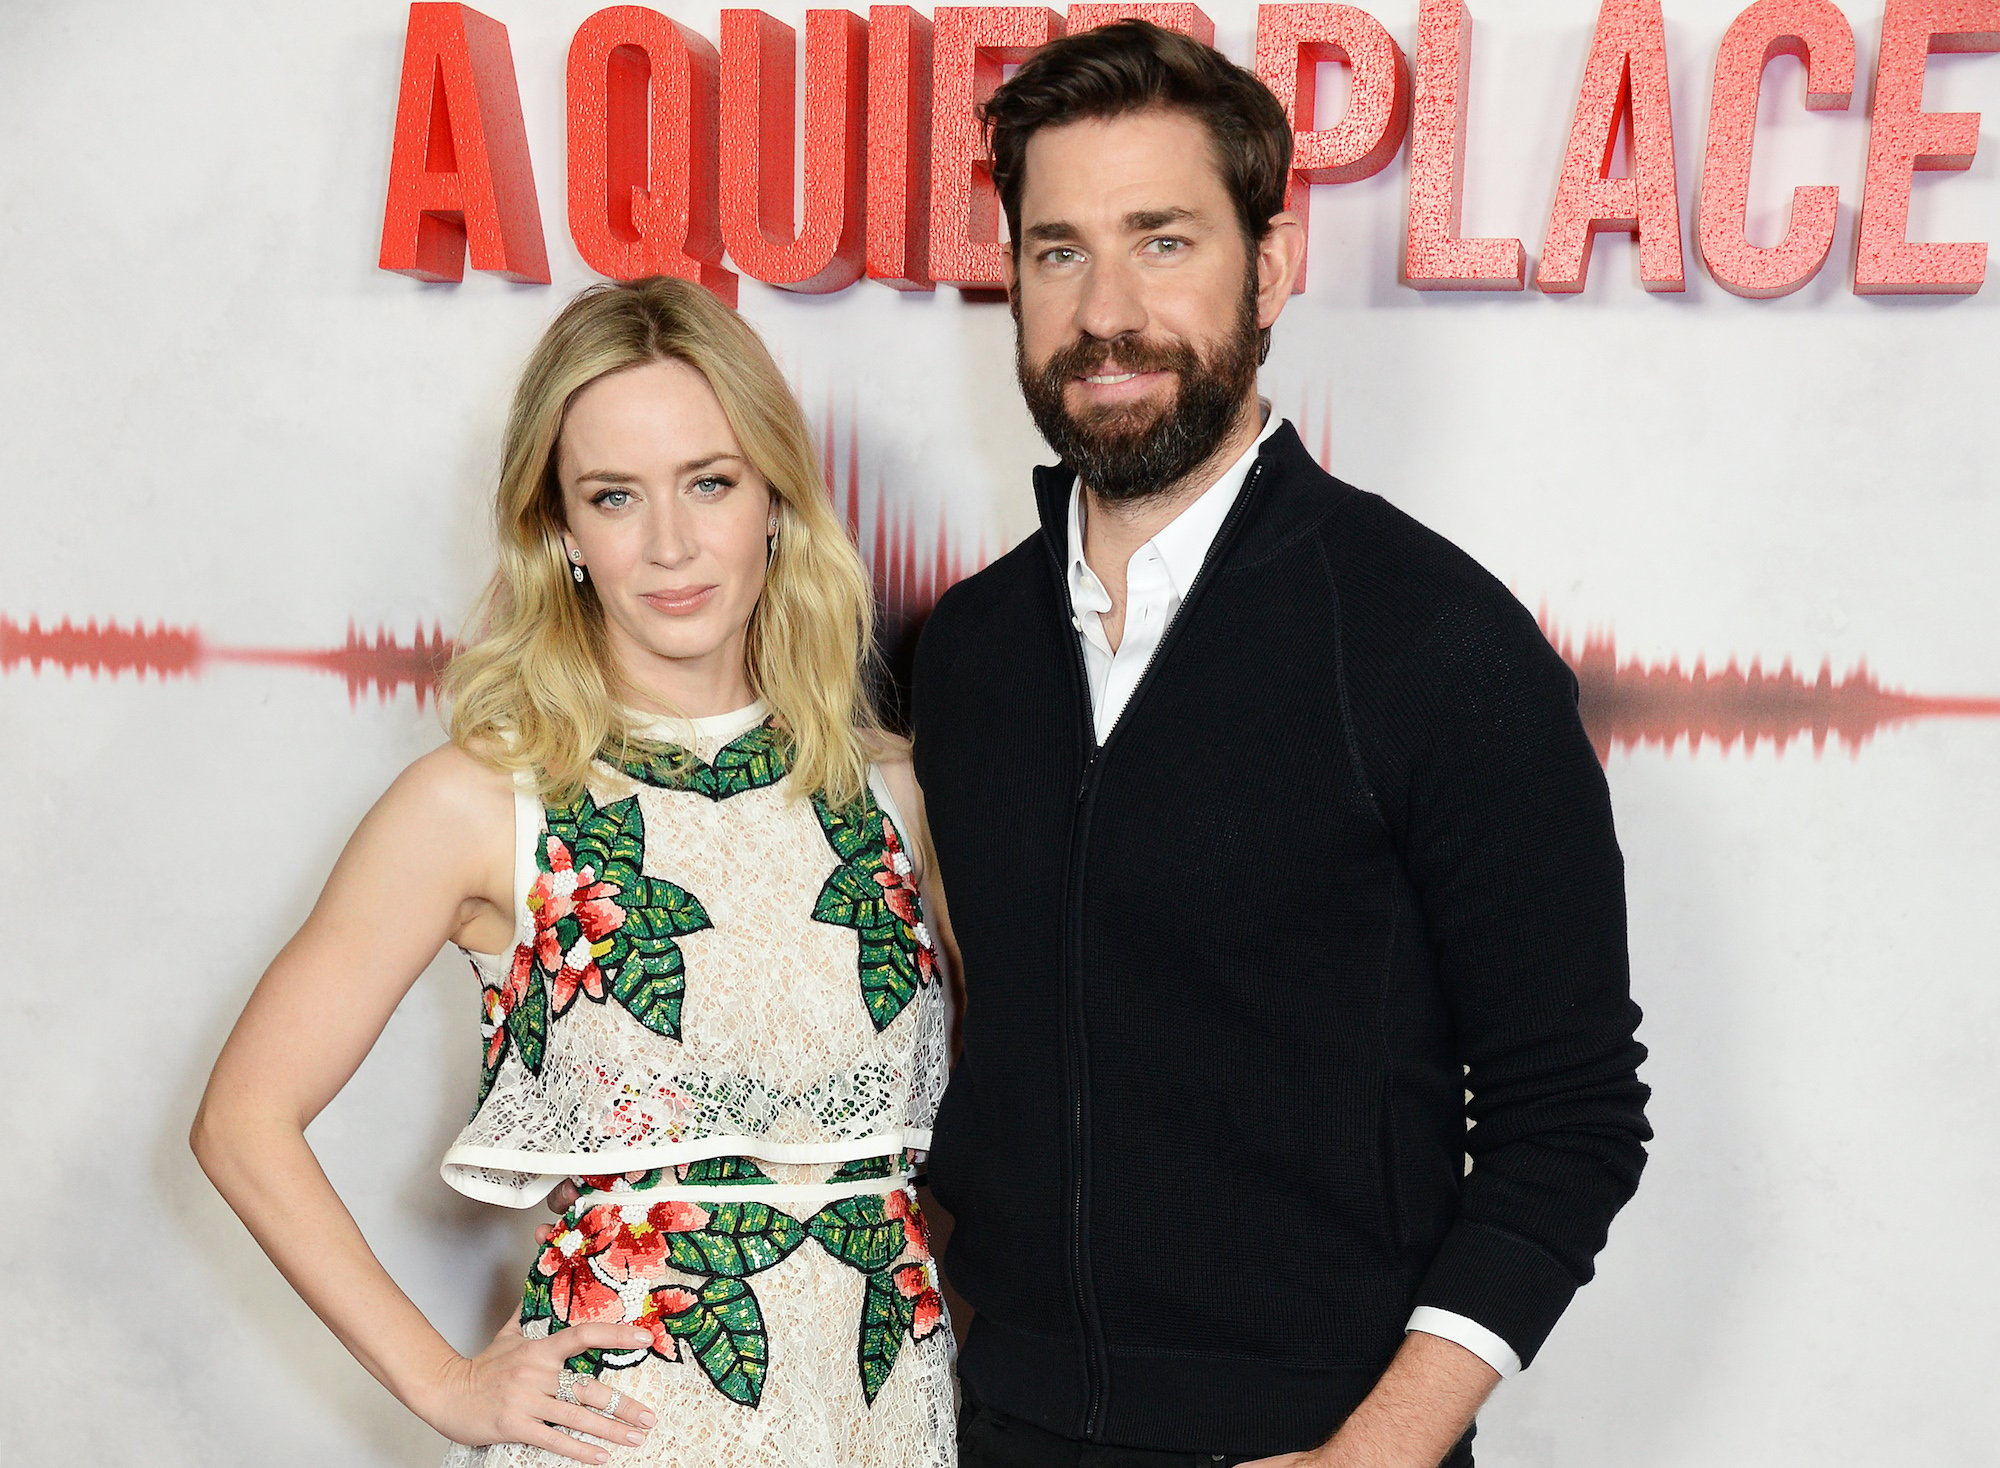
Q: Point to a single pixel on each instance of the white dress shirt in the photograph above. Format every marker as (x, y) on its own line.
(1157, 579)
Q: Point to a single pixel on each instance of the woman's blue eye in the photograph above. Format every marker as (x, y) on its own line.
(613, 499)
(711, 485)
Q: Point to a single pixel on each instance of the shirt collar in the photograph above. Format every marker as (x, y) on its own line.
(1182, 544)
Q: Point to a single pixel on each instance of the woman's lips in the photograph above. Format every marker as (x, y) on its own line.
(680, 602)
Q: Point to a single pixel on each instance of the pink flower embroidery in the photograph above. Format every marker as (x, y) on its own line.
(575, 917)
(915, 1233)
(575, 1291)
(632, 1248)
(913, 1283)
(897, 879)
(500, 1003)
(673, 1300)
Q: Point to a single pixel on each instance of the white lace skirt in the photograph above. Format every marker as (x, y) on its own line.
(793, 1327)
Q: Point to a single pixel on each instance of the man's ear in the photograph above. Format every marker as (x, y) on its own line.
(1281, 256)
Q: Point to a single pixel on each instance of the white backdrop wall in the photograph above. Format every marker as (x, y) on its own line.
(216, 415)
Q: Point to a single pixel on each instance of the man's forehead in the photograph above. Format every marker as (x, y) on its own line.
(1154, 161)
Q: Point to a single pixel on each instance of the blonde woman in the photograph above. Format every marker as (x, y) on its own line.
(683, 862)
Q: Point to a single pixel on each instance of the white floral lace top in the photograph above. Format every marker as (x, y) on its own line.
(704, 967)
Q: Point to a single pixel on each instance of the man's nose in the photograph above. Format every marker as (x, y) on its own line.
(1110, 304)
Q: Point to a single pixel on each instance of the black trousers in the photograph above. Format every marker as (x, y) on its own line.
(988, 1439)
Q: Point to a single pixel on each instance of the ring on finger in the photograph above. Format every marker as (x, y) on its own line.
(566, 1381)
(610, 1408)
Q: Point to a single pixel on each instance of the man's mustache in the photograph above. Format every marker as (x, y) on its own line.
(1133, 353)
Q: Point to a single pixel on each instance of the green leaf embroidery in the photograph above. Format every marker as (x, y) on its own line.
(651, 989)
(613, 840)
(739, 1239)
(528, 1024)
(883, 1326)
(863, 1169)
(852, 898)
(716, 1171)
(888, 977)
(536, 1302)
(658, 908)
(725, 1329)
(751, 761)
(855, 896)
(852, 830)
(859, 1232)
(589, 1363)
(641, 960)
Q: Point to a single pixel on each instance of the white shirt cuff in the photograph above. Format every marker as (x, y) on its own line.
(1461, 1331)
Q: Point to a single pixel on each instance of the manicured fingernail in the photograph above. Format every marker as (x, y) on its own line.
(635, 1438)
(647, 1419)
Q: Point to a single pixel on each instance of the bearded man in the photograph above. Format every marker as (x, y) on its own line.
(1276, 854)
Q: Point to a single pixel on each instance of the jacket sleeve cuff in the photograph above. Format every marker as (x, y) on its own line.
(1508, 1285)
(1462, 1330)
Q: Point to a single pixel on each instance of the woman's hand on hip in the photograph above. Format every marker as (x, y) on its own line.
(508, 1394)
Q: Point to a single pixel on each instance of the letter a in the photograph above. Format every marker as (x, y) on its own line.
(459, 172)
(1624, 85)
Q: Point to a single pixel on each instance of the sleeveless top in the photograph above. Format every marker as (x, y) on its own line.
(704, 967)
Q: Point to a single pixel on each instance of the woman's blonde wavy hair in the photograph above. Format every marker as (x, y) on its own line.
(536, 688)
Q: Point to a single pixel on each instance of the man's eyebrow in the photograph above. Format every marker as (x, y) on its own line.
(1141, 220)
(1049, 230)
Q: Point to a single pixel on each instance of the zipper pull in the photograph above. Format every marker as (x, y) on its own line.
(1083, 780)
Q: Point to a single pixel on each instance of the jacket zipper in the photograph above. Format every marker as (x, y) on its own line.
(1073, 1038)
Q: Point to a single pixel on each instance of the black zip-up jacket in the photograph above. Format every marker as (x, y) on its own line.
(1346, 856)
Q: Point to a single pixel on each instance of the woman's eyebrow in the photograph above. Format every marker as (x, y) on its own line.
(616, 476)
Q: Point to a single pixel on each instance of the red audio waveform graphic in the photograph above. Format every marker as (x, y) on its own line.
(167, 652)
(913, 559)
(911, 566)
(1628, 703)
(1314, 422)
(383, 664)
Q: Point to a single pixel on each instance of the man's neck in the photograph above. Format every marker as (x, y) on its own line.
(1113, 530)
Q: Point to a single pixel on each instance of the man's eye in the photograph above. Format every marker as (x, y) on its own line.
(1060, 255)
(1166, 246)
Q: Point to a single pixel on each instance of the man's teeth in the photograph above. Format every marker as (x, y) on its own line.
(1107, 381)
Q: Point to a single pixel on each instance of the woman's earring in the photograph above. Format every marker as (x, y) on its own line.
(576, 565)
(577, 572)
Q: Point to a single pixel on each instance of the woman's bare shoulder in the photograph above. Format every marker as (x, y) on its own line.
(890, 754)
(885, 747)
(452, 784)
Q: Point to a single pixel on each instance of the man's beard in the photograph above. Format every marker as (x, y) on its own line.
(1132, 452)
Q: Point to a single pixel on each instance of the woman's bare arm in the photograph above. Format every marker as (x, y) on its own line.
(432, 862)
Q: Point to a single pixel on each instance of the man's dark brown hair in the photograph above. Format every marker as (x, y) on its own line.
(1132, 66)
